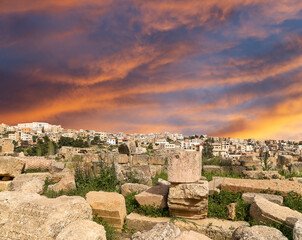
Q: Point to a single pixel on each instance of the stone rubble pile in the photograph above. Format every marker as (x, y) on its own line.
(188, 195)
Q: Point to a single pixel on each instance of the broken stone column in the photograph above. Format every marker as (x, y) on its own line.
(184, 167)
(188, 195)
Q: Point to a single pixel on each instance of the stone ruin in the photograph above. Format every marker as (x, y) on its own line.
(188, 195)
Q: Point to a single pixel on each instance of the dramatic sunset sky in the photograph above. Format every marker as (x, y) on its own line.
(226, 68)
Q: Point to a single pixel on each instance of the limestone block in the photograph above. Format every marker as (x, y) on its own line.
(184, 167)
(163, 182)
(31, 216)
(155, 169)
(296, 167)
(160, 231)
(231, 211)
(189, 200)
(37, 163)
(108, 205)
(216, 229)
(259, 174)
(10, 166)
(156, 195)
(190, 235)
(264, 211)
(56, 166)
(143, 223)
(65, 184)
(249, 197)
(257, 232)
(23, 179)
(122, 158)
(140, 159)
(83, 230)
(257, 186)
(6, 185)
(156, 160)
(284, 160)
(215, 185)
(133, 187)
(298, 230)
(33, 186)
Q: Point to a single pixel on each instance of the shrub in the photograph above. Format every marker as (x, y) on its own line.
(294, 201)
(211, 161)
(86, 180)
(131, 203)
(162, 175)
(218, 202)
(147, 210)
(35, 170)
(111, 233)
(152, 211)
(210, 175)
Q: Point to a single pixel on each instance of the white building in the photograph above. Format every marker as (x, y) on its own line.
(26, 137)
(111, 141)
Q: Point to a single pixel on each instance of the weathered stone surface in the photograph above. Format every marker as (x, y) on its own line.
(249, 197)
(33, 186)
(190, 235)
(184, 167)
(259, 174)
(83, 230)
(163, 182)
(65, 184)
(189, 200)
(31, 216)
(215, 185)
(296, 167)
(142, 173)
(257, 233)
(37, 163)
(57, 176)
(257, 186)
(23, 179)
(133, 187)
(231, 211)
(6, 185)
(297, 233)
(156, 195)
(108, 205)
(10, 166)
(161, 231)
(157, 160)
(124, 172)
(56, 166)
(122, 158)
(140, 159)
(143, 223)
(264, 211)
(216, 229)
(284, 160)
(155, 169)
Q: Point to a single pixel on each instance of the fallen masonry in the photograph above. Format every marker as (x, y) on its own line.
(264, 211)
(31, 216)
(258, 186)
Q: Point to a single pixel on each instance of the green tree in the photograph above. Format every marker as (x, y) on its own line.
(207, 151)
(51, 148)
(96, 140)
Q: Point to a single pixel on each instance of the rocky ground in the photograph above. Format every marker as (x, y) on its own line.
(105, 201)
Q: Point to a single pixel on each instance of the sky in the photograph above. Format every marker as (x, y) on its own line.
(228, 68)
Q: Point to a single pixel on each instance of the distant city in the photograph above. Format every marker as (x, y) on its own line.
(21, 137)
